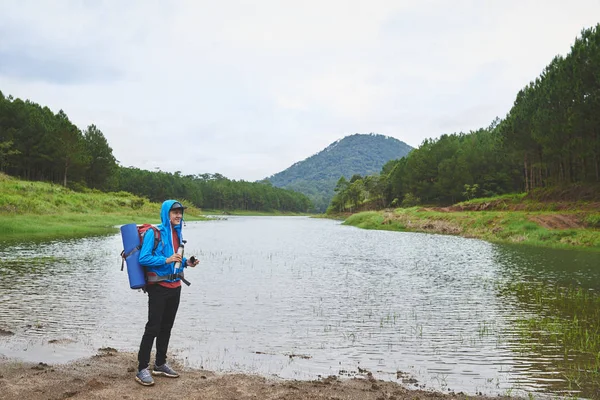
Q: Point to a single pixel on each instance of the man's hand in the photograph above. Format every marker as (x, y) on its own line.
(174, 258)
(192, 261)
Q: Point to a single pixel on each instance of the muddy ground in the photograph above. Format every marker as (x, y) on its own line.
(109, 375)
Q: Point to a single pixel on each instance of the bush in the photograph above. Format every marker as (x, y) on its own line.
(137, 203)
(593, 220)
(410, 200)
(77, 187)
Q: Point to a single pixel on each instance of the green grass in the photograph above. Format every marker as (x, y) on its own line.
(593, 220)
(373, 220)
(30, 227)
(39, 198)
(493, 226)
(42, 211)
(566, 198)
(501, 202)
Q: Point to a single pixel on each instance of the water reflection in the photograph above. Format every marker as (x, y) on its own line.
(556, 322)
(563, 267)
(300, 297)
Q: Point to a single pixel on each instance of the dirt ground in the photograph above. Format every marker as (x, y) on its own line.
(109, 375)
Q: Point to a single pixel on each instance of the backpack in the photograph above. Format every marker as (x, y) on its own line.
(142, 229)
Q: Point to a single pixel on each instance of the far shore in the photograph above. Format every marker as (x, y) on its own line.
(564, 230)
(69, 225)
(567, 229)
(250, 213)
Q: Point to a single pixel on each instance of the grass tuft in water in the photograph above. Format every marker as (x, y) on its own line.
(565, 320)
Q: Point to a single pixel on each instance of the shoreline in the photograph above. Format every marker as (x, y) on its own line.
(534, 228)
(110, 375)
(73, 225)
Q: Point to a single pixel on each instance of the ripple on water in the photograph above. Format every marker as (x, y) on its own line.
(298, 298)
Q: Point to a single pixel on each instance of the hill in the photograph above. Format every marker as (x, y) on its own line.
(316, 176)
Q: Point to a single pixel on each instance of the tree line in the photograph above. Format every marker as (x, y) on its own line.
(37, 144)
(554, 124)
(550, 137)
(209, 191)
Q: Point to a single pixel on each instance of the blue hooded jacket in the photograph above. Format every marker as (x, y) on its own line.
(156, 261)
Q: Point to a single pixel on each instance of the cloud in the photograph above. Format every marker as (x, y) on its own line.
(53, 67)
(247, 89)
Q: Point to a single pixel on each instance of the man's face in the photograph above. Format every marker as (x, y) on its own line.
(175, 216)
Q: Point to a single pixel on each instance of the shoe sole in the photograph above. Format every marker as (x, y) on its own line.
(160, 373)
(138, 380)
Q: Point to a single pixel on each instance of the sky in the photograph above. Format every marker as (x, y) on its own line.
(248, 88)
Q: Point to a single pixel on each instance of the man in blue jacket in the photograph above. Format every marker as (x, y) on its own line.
(164, 272)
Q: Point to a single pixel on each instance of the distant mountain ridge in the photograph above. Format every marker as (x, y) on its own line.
(316, 176)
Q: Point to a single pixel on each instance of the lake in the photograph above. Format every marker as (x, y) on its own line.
(302, 298)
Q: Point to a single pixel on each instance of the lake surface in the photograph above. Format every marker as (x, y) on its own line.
(296, 297)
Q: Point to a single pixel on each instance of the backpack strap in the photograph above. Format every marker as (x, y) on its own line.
(139, 246)
(156, 238)
(125, 255)
(169, 277)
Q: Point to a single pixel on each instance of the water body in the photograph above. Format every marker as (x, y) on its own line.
(300, 298)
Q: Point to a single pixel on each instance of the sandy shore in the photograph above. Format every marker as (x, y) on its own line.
(109, 375)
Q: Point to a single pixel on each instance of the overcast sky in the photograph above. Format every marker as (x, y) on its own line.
(247, 88)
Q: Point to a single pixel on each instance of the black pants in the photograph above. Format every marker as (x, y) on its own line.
(162, 308)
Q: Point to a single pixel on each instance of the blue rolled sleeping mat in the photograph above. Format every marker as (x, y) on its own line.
(131, 246)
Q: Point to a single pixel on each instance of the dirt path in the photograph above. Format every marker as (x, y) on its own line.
(109, 375)
(557, 221)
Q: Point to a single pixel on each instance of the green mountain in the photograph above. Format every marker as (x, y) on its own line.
(360, 154)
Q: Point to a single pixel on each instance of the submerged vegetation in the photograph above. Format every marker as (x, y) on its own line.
(563, 317)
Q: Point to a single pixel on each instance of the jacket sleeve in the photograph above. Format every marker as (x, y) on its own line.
(146, 256)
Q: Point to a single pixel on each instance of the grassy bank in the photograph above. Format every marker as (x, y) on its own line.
(502, 220)
(40, 211)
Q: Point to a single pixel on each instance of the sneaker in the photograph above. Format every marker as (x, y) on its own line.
(144, 378)
(165, 370)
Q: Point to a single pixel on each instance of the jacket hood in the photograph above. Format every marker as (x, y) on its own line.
(166, 222)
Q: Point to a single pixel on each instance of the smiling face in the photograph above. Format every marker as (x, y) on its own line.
(175, 216)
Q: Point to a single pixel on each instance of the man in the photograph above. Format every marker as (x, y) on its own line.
(164, 272)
